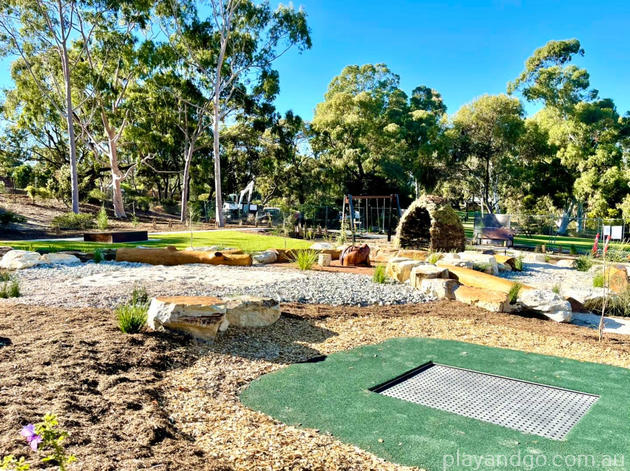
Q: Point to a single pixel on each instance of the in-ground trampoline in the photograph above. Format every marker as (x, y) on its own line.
(420, 401)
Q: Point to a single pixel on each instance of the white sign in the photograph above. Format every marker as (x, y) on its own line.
(615, 232)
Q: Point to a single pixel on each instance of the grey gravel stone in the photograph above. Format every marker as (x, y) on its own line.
(109, 283)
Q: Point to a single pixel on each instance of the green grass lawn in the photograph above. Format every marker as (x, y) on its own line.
(334, 397)
(249, 242)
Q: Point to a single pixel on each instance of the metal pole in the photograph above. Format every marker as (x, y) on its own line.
(389, 229)
(351, 208)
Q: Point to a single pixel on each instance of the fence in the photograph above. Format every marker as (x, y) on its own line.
(553, 227)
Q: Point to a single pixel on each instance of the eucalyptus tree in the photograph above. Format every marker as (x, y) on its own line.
(39, 34)
(585, 130)
(117, 55)
(484, 138)
(230, 53)
(370, 133)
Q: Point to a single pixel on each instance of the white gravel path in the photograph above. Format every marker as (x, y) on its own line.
(109, 283)
(547, 275)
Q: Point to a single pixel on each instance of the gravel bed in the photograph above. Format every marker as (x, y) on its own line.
(546, 276)
(110, 283)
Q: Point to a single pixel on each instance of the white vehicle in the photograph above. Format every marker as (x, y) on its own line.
(235, 210)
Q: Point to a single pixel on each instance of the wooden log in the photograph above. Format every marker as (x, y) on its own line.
(171, 256)
(477, 279)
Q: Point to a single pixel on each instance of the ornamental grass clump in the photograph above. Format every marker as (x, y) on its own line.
(9, 286)
(131, 317)
(379, 275)
(518, 263)
(98, 256)
(513, 293)
(598, 280)
(305, 258)
(434, 257)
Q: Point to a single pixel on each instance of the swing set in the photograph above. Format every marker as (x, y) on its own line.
(378, 221)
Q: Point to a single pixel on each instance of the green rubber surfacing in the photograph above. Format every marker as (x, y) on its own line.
(333, 396)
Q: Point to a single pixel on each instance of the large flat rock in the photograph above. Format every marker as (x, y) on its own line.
(252, 311)
(200, 316)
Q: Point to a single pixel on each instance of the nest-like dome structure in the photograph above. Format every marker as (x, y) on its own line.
(430, 223)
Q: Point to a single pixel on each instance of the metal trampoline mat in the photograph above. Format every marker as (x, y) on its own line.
(532, 408)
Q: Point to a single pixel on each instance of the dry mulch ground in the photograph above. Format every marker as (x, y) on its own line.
(152, 401)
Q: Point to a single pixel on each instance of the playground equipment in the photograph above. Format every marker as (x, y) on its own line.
(364, 214)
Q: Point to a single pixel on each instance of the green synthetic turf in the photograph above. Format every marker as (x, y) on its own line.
(249, 242)
(333, 396)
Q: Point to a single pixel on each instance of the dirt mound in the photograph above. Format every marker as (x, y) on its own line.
(104, 387)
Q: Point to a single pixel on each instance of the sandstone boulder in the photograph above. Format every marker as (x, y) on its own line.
(200, 316)
(251, 311)
(565, 263)
(481, 260)
(535, 258)
(324, 259)
(60, 259)
(617, 278)
(413, 254)
(322, 246)
(400, 269)
(452, 262)
(548, 303)
(266, 257)
(490, 300)
(19, 259)
(439, 288)
(422, 272)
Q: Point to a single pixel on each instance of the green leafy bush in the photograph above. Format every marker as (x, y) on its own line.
(131, 317)
(73, 221)
(305, 258)
(483, 267)
(583, 263)
(8, 217)
(35, 192)
(98, 256)
(513, 293)
(102, 222)
(573, 250)
(379, 275)
(518, 263)
(97, 196)
(598, 280)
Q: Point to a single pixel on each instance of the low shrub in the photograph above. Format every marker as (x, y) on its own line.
(583, 263)
(379, 275)
(513, 293)
(305, 258)
(34, 192)
(617, 305)
(556, 289)
(98, 256)
(573, 250)
(73, 221)
(9, 217)
(518, 263)
(10, 287)
(102, 222)
(131, 317)
(598, 280)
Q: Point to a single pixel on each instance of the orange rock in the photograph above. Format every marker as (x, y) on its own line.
(494, 301)
(477, 279)
(617, 278)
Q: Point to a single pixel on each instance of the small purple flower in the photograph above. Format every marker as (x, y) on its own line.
(32, 438)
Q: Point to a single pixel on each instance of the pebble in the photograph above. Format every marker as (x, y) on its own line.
(108, 284)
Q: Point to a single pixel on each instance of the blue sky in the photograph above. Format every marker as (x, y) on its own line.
(463, 49)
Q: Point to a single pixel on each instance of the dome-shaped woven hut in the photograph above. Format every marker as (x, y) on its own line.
(430, 223)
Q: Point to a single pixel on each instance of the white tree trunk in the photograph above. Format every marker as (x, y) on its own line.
(185, 183)
(565, 220)
(117, 177)
(220, 222)
(74, 179)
